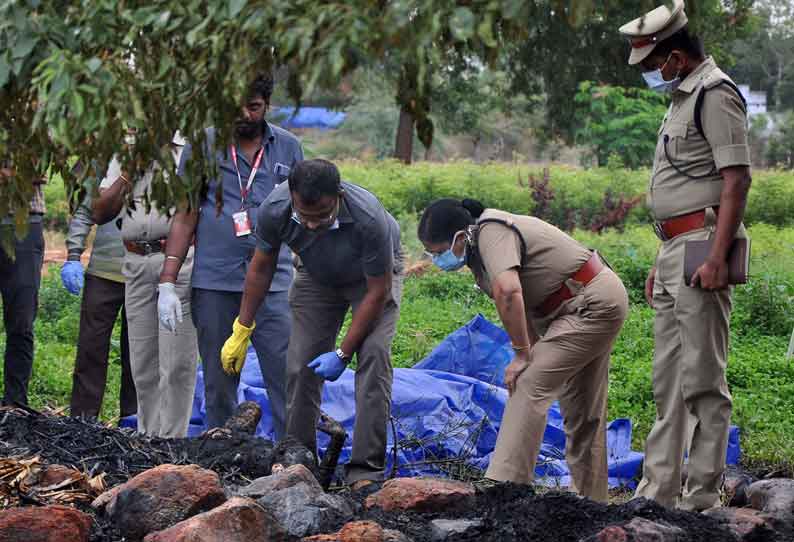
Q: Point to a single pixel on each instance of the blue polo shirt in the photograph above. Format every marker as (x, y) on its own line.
(221, 258)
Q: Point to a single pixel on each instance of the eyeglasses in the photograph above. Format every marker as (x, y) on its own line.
(431, 254)
(319, 222)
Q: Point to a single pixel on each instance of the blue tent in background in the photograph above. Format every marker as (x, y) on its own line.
(449, 407)
(307, 117)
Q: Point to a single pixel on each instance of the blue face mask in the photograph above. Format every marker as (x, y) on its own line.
(655, 80)
(447, 260)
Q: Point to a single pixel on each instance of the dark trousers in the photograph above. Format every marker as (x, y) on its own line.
(102, 301)
(19, 284)
(213, 314)
(318, 313)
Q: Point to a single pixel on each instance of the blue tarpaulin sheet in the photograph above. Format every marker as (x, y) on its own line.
(449, 406)
(308, 117)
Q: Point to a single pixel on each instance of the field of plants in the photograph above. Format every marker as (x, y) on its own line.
(605, 209)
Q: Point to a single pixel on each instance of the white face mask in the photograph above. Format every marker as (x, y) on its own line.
(655, 80)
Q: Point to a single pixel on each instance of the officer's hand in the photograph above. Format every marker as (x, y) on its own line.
(329, 366)
(72, 276)
(712, 275)
(513, 371)
(235, 347)
(169, 307)
(649, 282)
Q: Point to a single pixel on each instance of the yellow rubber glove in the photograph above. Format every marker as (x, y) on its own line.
(235, 347)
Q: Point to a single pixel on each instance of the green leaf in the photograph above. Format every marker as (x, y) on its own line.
(461, 24)
(485, 31)
(235, 7)
(94, 64)
(5, 70)
(24, 46)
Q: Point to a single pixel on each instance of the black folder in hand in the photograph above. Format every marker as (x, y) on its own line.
(696, 252)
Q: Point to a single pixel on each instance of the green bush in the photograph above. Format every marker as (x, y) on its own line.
(579, 194)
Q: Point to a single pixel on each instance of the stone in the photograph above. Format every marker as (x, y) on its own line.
(44, 524)
(423, 495)
(163, 496)
(280, 479)
(355, 531)
(740, 520)
(447, 529)
(774, 496)
(644, 530)
(237, 520)
(107, 500)
(735, 486)
(613, 533)
(304, 509)
(391, 535)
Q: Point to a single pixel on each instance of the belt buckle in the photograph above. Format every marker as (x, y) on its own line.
(659, 230)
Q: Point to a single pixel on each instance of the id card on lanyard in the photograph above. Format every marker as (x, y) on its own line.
(241, 219)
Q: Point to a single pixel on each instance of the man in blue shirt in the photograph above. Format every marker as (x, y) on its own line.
(259, 159)
(349, 258)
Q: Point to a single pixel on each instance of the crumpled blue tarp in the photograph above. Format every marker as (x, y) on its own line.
(447, 411)
(308, 117)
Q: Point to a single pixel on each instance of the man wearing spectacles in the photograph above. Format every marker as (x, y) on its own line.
(348, 250)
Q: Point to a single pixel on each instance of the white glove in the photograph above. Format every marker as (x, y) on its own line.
(169, 307)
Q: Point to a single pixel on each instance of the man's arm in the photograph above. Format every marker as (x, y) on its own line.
(113, 188)
(257, 284)
(370, 309)
(108, 204)
(79, 228)
(183, 227)
(713, 274)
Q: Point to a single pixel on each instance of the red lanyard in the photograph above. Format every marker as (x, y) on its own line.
(245, 189)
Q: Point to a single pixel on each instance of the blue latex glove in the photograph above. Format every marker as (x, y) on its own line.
(72, 276)
(329, 366)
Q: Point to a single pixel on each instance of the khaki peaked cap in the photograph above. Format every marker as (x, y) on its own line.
(646, 32)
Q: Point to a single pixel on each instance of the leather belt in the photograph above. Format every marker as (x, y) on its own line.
(679, 225)
(144, 248)
(586, 273)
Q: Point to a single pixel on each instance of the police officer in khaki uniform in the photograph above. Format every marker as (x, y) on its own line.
(698, 190)
(562, 308)
(163, 360)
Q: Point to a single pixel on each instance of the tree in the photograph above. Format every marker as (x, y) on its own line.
(76, 76)
(780, 148)
(560, 53)
(619, 121)
(766, 58)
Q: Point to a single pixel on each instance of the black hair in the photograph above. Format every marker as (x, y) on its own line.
(444, 217)
(682, 40)
(313, 179)
(262, 86)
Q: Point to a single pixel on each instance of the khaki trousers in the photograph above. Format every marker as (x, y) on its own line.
(569, 363)
(693, 405)
(163, 363)
(317, 315)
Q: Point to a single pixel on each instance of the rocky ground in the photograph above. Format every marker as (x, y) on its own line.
(72, 481)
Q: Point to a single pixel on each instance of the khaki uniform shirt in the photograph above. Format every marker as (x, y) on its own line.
(724, 123)
(551, 258)
(137, 224)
